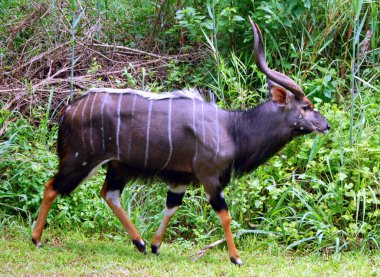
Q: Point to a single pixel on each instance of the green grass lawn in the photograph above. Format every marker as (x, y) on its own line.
(72, 253)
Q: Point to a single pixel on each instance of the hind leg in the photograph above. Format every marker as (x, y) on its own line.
(115, 181)
(66, 180)
(49, 195)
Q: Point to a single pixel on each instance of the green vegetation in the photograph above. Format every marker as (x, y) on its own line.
(74, 254)
(319, 197)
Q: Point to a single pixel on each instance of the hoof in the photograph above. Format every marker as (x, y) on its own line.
(236, 261)
(155, 249)
(140, 245)
(38, 244)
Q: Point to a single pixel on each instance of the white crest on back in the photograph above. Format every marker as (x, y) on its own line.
(191, 93)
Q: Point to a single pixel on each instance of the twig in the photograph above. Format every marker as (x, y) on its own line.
(15, 99)
(40, 56)
(50, 78)
(158, 12)
(133, 50)
(204, 249)
(100, 54)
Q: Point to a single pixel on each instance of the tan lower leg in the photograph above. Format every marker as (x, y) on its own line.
(225, 219)
(168, 214)
(120, 214)
(49, 195)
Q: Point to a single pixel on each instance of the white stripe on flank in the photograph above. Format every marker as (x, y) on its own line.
(102, 116)
(131, 125)
(203, 129)
(80, 102)
(217, 132)
(92, 107)
(118, 126)
(84, 108)
(195, 134)
(169, 135)
(147, 133)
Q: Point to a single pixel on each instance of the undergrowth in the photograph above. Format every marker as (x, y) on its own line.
(319, 194)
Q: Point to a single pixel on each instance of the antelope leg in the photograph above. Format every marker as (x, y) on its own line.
(173, 201)
(113, 201)
(218, 203)
(49, 195)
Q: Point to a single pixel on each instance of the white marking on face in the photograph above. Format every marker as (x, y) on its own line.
(82, 124)
(76, 155)
(113, 197)
(84, 163)
(131, 125)
(316, 110)
(222, 194)
(178, 189)
(295, 124)
(92, 107)
(109, 138)
(169, 135)
(301, 128)
(147, 134)
(118, 126)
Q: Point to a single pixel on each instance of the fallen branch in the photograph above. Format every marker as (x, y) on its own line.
(38, 57)
(133, 51)
(203, 251)
(43, 82)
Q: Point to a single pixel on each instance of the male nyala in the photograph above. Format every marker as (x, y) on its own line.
(178, 137)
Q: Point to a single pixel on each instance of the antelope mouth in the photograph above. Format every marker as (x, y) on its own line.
(319, 129)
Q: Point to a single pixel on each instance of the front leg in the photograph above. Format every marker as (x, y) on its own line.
(173, 201)
(218, 203)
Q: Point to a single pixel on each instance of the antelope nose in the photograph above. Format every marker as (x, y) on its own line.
(328, 127)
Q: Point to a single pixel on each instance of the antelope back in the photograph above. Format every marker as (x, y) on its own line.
(143, 130)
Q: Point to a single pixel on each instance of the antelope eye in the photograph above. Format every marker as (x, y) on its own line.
(306, 108)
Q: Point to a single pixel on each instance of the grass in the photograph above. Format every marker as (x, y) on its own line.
(71, 253)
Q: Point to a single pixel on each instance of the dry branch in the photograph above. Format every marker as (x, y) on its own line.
(39, 57)
(132, 50)
(203, 251)
(41, 64)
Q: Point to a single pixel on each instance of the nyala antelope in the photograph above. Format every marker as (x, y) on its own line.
(178, 137)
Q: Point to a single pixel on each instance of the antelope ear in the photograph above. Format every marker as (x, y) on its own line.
(279, 95)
